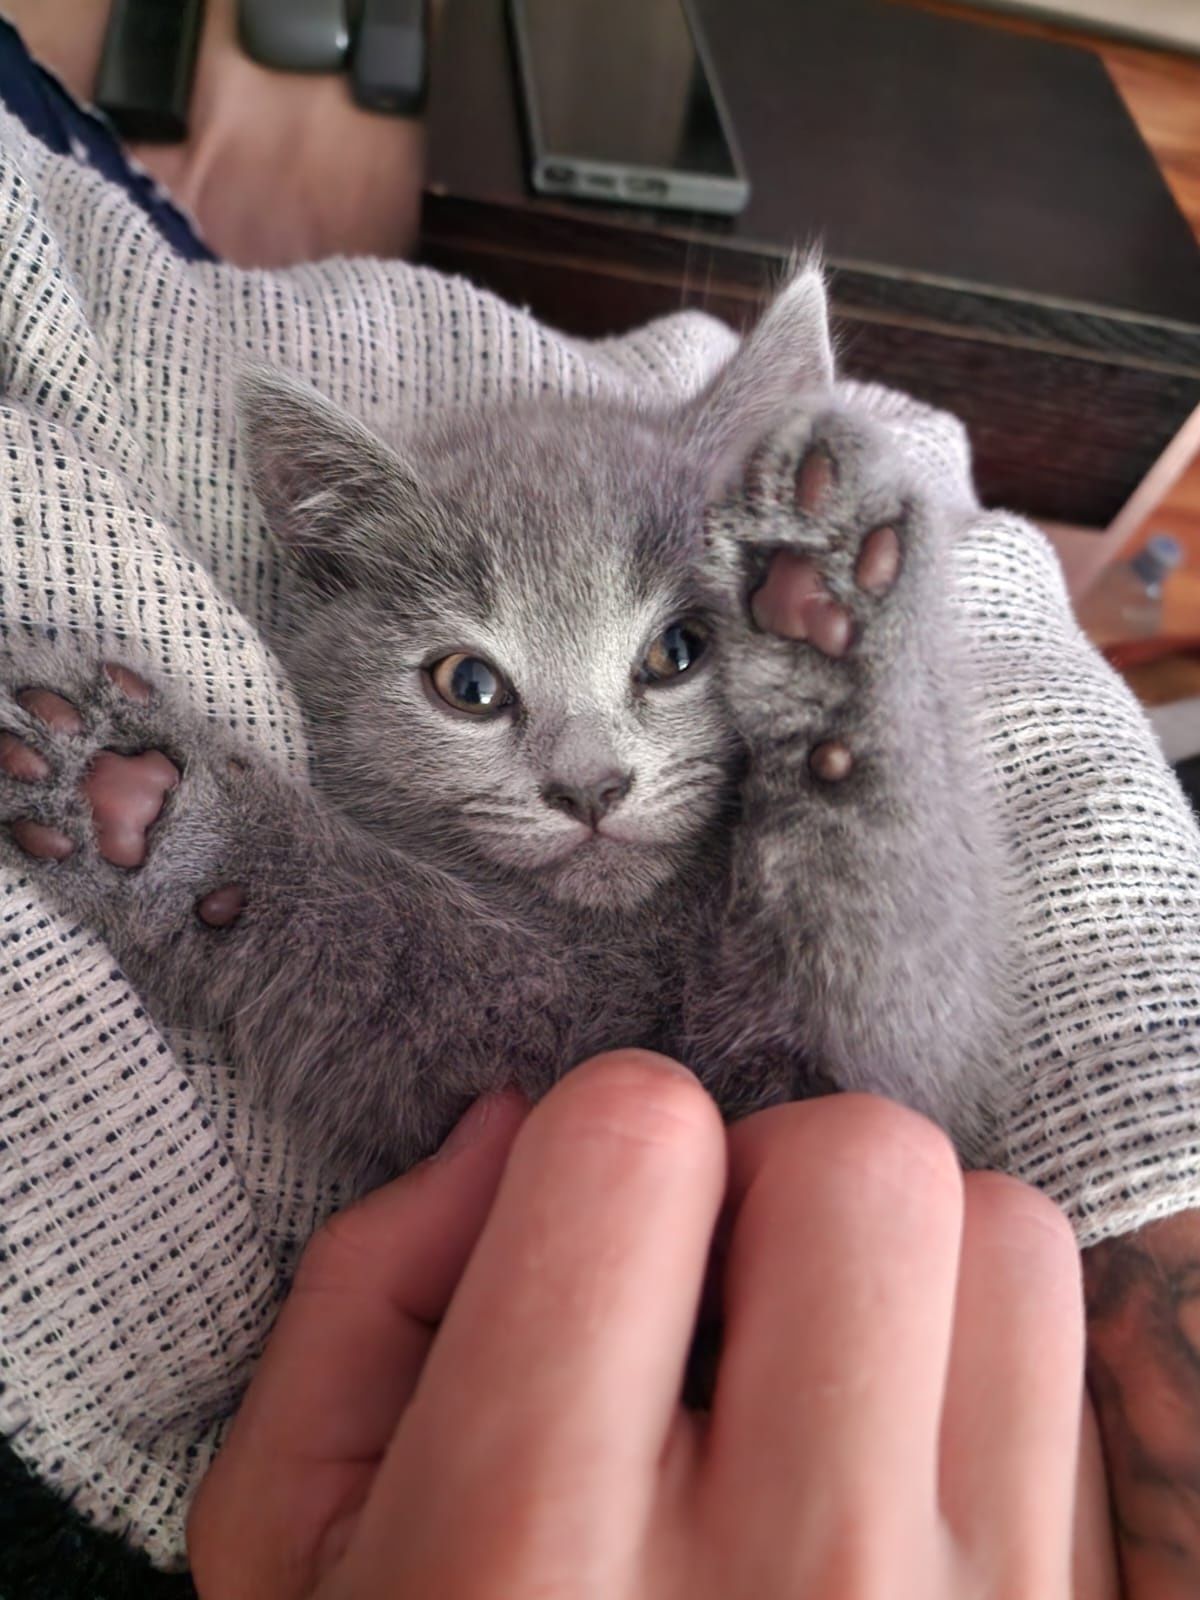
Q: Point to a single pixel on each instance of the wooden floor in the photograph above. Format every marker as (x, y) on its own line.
(1162, 92)
(1180, 515)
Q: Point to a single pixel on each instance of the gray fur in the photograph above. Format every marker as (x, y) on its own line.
(421, 925)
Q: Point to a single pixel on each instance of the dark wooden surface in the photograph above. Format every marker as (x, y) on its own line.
(999, 236)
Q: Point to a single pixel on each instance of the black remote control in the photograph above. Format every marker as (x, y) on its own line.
(144, 83)
(391, 55)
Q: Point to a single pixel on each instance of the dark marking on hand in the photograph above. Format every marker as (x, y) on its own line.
(52, 709)
(1143, 1300)
(20, 762)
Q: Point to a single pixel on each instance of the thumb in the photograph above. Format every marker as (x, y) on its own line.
(340, 1366)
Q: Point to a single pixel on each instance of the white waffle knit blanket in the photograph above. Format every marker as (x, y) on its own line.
(149, 1216)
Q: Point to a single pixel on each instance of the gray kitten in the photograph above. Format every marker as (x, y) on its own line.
(630, 727)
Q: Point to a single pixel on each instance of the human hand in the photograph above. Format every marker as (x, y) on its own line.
(277, 167)
(473, 1390)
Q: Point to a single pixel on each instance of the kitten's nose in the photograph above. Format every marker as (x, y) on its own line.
(588, 802)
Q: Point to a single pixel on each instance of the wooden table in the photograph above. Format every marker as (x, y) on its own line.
(1001, 240)
(1162, 91)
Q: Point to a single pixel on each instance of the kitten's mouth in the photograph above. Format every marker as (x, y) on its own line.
(596, 841)
(591, 844)
(610, 834)
(604, 868)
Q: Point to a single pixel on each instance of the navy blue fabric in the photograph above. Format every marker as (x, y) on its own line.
(45, 1547)
(54, 118)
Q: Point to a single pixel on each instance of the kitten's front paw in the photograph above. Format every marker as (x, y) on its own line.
(91, 769)
(829, 552)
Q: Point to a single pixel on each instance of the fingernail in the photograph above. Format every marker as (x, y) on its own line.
(475, 1120)
(643, 1058)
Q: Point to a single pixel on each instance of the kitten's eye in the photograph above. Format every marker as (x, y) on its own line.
(469, 684)
(675, 650)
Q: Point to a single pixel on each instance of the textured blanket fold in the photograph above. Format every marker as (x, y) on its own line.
(149, 1213)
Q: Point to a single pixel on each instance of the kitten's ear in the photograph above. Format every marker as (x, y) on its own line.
(331, 491)
(788, 352)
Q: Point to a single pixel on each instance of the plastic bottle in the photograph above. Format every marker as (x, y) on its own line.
(1126, 600)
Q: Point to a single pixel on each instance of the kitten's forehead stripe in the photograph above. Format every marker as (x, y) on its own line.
(562, 533)
(474, 571)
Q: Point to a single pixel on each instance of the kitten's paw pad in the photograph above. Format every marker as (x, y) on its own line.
(120, 799)
(878, 564)
(825, 524)
(815, 481)
(131, 685)
(20, 762)
(794, 601)
(40, 840)
(126, 795)
(831, 761)
(59, 715)
(122, 795)
(222, 907)
(828, 557)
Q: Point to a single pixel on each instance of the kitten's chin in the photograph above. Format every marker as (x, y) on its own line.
(610, 877)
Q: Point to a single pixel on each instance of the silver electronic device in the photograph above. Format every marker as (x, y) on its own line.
(622, 104)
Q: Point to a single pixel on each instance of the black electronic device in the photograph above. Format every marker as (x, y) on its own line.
(295, 35)
(144, 83)
(389, 65)
(622, 104)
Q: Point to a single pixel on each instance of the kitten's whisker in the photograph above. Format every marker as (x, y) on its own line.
(260, 999)
(681, 764)
(492, 803)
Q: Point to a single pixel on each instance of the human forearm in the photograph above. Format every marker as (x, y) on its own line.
(1143, 1302)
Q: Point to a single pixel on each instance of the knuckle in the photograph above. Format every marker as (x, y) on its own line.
(230, 1546)
(1004, 1206)
(333, 1253)
(886, 1144)
(858, 1155)
(205, 1544)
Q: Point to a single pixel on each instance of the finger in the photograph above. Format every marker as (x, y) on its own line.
(544, 1409)
(1014, 1392)
(838, 1301)
(1095, 1573)
(341, 1363)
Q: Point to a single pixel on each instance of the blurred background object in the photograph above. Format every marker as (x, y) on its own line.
(295, 35)
(144, 84)
(1001, 242)
(1174, 24)
(1009, 207)
(390, 65)
(622, 103)
(278, 167)
(1126, 601)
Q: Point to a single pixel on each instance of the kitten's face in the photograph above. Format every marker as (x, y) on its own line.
(491, 618)
(533, 678)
